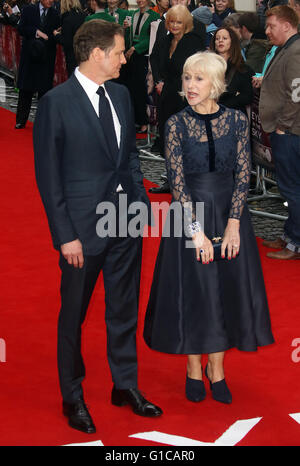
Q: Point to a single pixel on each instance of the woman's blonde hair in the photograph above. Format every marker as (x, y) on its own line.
(67, 5)
(181, 13)
(213, 66)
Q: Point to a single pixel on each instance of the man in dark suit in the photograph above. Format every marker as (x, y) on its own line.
(85, 156)
(37, 60)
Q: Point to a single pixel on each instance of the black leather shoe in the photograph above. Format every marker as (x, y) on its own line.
(220, 391)
(195, 390)
(19, 126)
(139, 404)
(164, 188)
(79, 416)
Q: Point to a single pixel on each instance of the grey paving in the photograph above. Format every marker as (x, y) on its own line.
(264, 227)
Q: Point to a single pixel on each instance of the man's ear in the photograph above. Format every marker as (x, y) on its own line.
(97, 54)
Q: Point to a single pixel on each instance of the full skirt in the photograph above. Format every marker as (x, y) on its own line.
(195, 308)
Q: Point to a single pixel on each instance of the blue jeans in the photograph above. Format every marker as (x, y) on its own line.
(286, 156)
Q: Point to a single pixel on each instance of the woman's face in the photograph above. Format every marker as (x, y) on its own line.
(176, 26)
(197, 87)
(221, 5)
(222, 42)
(142, 4)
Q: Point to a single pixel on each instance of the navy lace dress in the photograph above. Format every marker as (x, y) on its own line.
(195, 308)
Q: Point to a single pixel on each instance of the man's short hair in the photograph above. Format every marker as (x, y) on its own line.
(284, 13)
(250, 21)
(95, 33)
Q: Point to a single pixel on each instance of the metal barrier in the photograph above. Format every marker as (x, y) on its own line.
(263, 162)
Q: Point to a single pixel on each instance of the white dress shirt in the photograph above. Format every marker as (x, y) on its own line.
(91, 88)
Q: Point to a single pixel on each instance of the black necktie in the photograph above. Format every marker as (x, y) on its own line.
(43, 15)
(107, 122)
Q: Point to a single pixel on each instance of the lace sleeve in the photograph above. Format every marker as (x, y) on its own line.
(174, 165)
(242, 166)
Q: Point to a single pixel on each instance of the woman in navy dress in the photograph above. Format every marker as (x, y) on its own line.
(197, 305)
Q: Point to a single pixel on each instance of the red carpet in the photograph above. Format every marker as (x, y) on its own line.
(265, 384)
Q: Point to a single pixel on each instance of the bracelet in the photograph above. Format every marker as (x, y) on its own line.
(193, 228)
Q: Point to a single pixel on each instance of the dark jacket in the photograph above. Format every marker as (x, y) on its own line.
(256, 51)
(70, 22)
(75, 170)
(36, 72)
(239, 92)
(196, 38)
(218, 19)
(279, 97)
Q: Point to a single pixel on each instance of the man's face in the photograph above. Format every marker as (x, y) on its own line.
(113, 60)
(164, 4)
(47, 3)
(276, 30)
(112, 4)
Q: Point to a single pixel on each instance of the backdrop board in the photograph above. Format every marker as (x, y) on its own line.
(245, 5)
(261, 148)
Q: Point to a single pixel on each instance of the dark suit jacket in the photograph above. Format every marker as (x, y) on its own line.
(32, 74)
(74, 168)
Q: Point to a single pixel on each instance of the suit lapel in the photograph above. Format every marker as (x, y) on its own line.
(90, 116)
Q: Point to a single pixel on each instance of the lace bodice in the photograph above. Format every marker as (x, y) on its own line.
(202, 143)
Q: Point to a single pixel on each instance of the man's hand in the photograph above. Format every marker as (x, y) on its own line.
(73, 254)
(278, 131)
(41, 34)
(256, 82)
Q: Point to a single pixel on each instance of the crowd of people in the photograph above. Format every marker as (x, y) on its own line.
(206, 60)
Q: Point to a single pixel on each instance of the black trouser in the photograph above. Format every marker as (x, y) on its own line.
(120, 262)
(24, 104)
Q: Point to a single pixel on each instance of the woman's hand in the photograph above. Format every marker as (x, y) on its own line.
(231, 239)
(204, 248)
